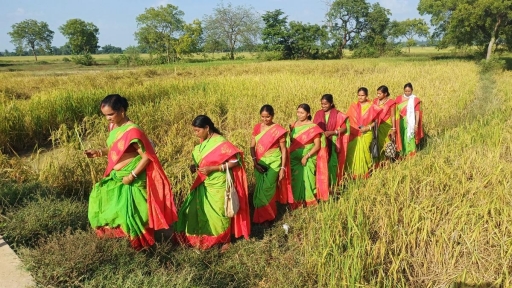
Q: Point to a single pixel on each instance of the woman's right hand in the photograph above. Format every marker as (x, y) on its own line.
(258, 168)
(91, 153)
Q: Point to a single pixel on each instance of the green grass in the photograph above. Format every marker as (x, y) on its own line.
(439, 219)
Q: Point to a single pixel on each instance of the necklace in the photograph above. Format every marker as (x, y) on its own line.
(382, 103)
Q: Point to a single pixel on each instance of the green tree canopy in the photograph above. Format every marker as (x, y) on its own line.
(233, 25)
(31, 34)
(159, 30)
(82, 36)
(409, 29)
(347, 21)
(275, 31)
(469, 22)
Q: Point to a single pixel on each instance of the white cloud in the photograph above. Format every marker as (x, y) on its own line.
(19, 12)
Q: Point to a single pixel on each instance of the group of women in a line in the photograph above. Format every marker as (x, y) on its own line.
(298, 167)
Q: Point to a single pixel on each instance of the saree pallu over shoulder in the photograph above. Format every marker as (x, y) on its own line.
(401, 108)
(358, 117)
(386, 111)
(161, 208)
(240, 223)
(322, 173)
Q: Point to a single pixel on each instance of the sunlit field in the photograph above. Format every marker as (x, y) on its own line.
(439, 219)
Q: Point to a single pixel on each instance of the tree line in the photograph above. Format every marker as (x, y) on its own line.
(365, 29)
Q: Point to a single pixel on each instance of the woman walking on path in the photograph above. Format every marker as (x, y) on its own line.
(362, 116)
(269, 154)
(386, 129)
(134, 198)
(202, 220)
(408, 122)
(334, 124)
(308, 160)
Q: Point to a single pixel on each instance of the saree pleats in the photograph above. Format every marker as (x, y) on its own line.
(264, 198)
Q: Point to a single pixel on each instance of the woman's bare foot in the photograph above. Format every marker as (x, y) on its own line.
(225, 247)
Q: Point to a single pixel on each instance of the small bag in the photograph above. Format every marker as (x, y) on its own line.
(374, 145)
(390, 150)
(231, 203)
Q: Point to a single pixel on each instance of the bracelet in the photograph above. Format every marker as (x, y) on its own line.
(100, 152)
(393, 128)
(253, 157)
(282, 167)
(336, 131)
(309, 156)
(369, 127)
(133, 174)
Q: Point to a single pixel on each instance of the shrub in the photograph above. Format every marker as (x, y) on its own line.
(84, 59)
(66, 59)
(493, 64)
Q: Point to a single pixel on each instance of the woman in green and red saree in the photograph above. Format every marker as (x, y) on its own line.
(308, 160)
(269, 154)
(334, 125)
(202, 221)
(386, 128)
(134, 198)
(362, 116)
(408, 122)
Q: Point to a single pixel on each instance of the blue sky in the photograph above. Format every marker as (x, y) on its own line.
(116, 19)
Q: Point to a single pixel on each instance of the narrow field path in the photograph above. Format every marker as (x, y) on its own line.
(12, 274)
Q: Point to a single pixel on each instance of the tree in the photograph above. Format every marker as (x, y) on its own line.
(190, 41)
(31, 34)
(275, 33)
(109, 49)
(159, 28)
(409, 29)
(307, 40)
(346, 21)
(372, 41)
(469, 22)
(233, 25)
(82, 36)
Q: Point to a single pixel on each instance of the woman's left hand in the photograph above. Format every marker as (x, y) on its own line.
(127, 180)
(207, 170)
(304, 160)
(281, 174)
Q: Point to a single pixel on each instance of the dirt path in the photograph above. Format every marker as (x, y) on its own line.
(11, 273)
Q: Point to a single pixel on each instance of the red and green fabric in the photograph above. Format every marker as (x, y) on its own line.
(336, 144)
(385, 125)
(137, 209)
(202, 221)
(359, 160)
(407, 145)
(309, 182)
(268, 191)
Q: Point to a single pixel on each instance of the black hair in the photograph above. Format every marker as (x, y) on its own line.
(408, 85)
(115, 101)
(384, 89)
(202, 121)
(328, 98)
(267, 108)
(364, 89)
(306, 108)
